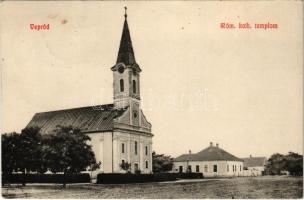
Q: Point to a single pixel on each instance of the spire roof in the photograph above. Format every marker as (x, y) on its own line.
(126, 53)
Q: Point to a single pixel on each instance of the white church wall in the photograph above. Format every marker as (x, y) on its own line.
(107, 153)
(119, 139)
(102, 147)
(146, 156)
(129, 155)
(97, 146)
(115, 154)
(134, 158)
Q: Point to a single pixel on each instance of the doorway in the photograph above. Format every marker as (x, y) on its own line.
(135, 167)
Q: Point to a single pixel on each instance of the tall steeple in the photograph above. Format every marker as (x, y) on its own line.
(126, 53)
(126, 74)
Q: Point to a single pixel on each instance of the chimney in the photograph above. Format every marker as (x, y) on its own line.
(189, 151)
(211, 144)
(217, 145)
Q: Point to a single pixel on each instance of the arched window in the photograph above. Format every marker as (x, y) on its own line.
(121, 85)
(122, 147)
(135, 147)
(134, 86)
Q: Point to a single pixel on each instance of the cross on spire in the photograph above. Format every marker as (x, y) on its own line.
(126, 12)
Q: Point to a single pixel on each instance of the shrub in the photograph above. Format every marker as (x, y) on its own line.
(125, 166)
(134, 178)
(117, 178)
(46, 178)
(189, 175)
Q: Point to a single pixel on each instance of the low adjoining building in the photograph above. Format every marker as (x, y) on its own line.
(212, 162)
(254, 166)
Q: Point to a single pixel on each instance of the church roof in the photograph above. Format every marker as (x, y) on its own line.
(126, 52)
(87, 119)
(255, 161)
(212, 153)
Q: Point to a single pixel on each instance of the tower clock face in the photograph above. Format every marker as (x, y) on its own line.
(121, 69)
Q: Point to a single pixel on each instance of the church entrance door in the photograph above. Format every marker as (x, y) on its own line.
(135, 167)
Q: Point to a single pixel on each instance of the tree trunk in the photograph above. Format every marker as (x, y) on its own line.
(64, 181)
(4, 177)
(23, 178)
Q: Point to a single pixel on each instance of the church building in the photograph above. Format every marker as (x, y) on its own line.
(119, 131)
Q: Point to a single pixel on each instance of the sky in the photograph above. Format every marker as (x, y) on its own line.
(241, 88)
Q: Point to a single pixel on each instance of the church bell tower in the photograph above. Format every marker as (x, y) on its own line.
(126, 74)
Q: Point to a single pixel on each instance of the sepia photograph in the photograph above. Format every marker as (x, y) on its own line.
(151, 99)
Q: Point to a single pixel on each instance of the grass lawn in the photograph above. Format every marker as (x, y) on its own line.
(247, 187)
